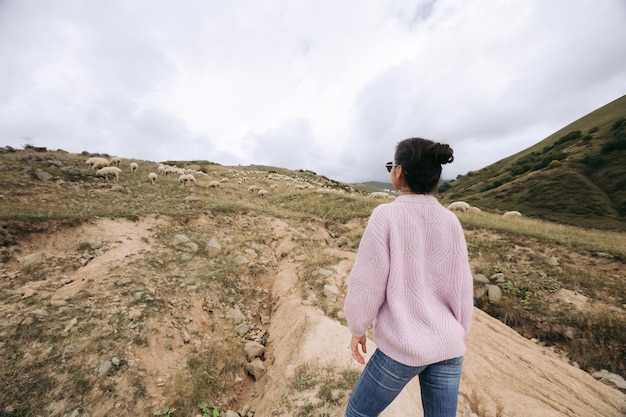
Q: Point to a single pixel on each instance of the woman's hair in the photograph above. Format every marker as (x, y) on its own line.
(421, 160)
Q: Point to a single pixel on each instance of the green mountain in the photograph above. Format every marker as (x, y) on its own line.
(576, 175)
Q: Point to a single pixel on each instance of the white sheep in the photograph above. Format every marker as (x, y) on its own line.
(101, 163)
(115, 161)
(273, 186)
(253, 188)
(379, 194)
(106, 171)
(185, 179)
(214, 184)
(134, 166)
(224, 179)
(513, 213)
(152, 177)
(262, 192)
(459, 206)
(96, 162)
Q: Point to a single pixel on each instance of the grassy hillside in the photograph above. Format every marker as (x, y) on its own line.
(575, 176)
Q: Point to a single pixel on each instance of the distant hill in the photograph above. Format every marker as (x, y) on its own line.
(576, 175)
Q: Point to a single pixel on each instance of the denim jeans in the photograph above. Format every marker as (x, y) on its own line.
(383, 379)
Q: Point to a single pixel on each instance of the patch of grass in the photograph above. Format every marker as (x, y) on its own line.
(208, 376)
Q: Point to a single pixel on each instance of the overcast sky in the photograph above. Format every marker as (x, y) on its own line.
(329, 86)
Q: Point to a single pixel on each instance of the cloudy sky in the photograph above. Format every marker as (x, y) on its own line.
(329, 86)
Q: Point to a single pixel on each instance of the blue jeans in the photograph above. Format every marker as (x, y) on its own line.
(383, 379)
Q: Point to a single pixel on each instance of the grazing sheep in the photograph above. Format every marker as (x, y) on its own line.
(133, 166)
(96, 162)
(106, 171)
(224, 179)
(152, 177)
(253, 188)
(513, 213)
(475, 210)
(101, 163)
(185, 179)
(379, 194)
(459, 206)
(214, 184)
(273, 186)
(262, 192)
(115, 161)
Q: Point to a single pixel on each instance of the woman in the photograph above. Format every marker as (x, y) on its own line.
(413, 282)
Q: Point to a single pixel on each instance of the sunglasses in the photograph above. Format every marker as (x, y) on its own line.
(389, 166)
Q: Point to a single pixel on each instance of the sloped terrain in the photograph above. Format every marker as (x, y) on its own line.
(575, 176)
(127, 298)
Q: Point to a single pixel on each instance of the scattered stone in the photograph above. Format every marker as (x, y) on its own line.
(32, 258)
(213, 245)
(331, 292)
(104, 369)
(494, 293)
(256, 368)
(610, 379)
(235, 315)
(240, 260)
(42, 175)
(254, 350)
(481, 279)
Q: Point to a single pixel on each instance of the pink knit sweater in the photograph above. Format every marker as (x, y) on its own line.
(412, 281)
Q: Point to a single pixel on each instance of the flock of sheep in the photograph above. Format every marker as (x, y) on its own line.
(186, 177)
(465, 207)
(110, 168)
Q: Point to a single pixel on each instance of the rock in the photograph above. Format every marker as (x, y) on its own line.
(494, 293)
(499, 277)
(104, 369)
(331, 292)
(182, 243)
(610, 379)
(240, 260)
(32, 258)
(213, 245)
(42, 175)
(254, 350)
(481, 279)
(235, 315)
(256, 368)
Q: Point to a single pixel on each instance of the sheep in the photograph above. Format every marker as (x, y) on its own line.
(152, 177)
(106, 171)
(214, 184)
(253, 188)
(185, 179)
(224, 179)
(513, 213)
(101, 162)
(379, 194)
(273, 186)
(262, 192)
(133, 166)
(115, 161)
(459, 206)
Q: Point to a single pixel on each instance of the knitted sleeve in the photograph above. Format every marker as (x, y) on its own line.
(368, 279)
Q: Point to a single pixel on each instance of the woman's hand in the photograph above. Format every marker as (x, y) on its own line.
(354, 348)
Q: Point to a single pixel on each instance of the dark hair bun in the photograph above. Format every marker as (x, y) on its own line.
(444, 154)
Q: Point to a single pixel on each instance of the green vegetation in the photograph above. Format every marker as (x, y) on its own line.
(576, 176)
